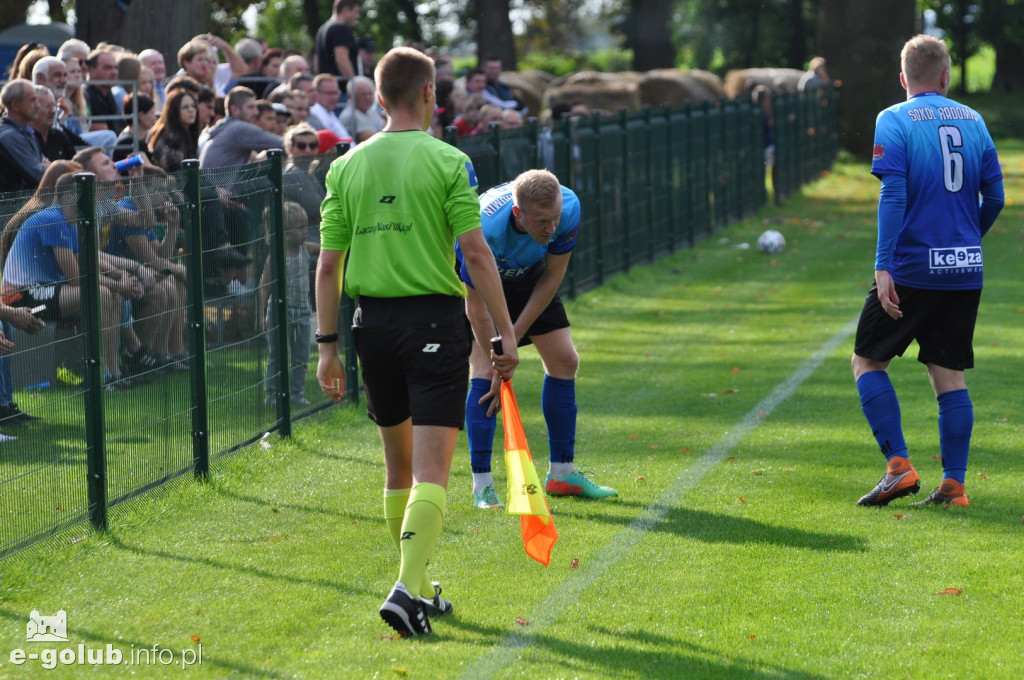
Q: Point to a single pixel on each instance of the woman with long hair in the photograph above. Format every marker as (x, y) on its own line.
(42, 198)
(74, 98)
(147, 119)
(174, 137)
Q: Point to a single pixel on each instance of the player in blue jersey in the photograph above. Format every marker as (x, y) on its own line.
(934, 157)
(530, 225)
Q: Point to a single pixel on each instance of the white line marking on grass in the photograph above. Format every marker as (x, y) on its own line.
(504, 652)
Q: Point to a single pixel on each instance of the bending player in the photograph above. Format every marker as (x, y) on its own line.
(530, 225)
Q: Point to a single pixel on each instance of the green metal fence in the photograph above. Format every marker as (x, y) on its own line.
(649, 182)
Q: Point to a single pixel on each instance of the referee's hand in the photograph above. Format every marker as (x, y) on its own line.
(330, 373)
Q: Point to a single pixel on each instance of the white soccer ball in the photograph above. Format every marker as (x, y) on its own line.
(771, 242)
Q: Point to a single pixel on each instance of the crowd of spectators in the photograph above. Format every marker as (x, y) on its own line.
(84, 108)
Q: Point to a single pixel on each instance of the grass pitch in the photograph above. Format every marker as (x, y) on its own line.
(715, 394)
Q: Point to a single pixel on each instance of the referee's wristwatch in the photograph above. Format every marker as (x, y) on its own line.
(330, 337)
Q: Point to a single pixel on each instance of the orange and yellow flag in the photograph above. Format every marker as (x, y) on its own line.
(525, 493)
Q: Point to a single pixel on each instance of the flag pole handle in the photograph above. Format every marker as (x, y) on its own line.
(496, 345)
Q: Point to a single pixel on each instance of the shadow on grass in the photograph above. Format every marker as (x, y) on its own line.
(246, 570)
(101, 639)
(650, 654)
(618, 653)
(718, 528)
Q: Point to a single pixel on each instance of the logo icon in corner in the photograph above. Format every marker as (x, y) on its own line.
(878, 153)
(47, 628)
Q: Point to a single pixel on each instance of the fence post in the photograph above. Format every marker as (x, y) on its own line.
(196, 319)
(279, 308)
(595, 123)
(569, 126)
(625, 202)
(92, 327)
(649, 183)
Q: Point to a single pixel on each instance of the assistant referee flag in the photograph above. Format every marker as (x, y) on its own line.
(525, 493)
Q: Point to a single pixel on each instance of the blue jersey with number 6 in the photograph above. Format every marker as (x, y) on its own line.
(946, 155)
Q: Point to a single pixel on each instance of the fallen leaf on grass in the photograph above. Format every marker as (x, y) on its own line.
(521, 621)
(633, 436)
(654, 446)
(735, 369)
(641, 479)
(899, 516)
(399, 671)
(937, 458)
(731, 458)
(751, 637)
(709, 395)
(757, 472)
(742, 499)
(195, 638)
(982, 475)
(950, 591)
(685, 449)
(762, 415)
(575, 564)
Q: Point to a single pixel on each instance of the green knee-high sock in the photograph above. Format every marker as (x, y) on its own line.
(395, 502)
(420, 531)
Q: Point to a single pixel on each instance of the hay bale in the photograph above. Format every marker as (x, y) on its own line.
(529, 90)
(739, 83)
(599, 94)
(674, 87)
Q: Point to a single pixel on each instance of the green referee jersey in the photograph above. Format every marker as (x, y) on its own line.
(397, 202)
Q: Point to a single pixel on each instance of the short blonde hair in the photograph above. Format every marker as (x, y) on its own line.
(400, 75)
(294, 216)
(923, 60)
(535, 188)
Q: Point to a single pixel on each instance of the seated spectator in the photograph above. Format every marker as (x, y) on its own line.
(816, 76)
(497, 92)
(196, 61)
(489, 114)
(99, 96)
(51, 72)
(173, 137)
(284, 119)
(132, 235)
(42, 198)
(511, 119)
(128, 68)
(266, 117)
(231, 140)
(326, 95)
(55, 142)
(264, 77)
(42, 271)
(132, 135)
(301, 186)
(294, 64)
(29, 53)
(154, 60)
(11, 414)
(469, 121)
(299, 106)
(361, 116)
(21, 156)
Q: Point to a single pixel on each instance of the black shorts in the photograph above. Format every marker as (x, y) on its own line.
(45, 295)
(551, 319)
(942, 322)
(414, 353)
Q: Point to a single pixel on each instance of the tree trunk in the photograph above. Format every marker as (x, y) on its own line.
(796, 56)
(163, 26)
(313, 19)
(494, 33)
(651, 38)
(861, 41)
(1002, 25)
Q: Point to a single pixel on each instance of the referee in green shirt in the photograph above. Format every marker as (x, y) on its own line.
(396, 204)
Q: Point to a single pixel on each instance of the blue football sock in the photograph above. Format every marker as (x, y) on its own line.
(882, 409)
(479, 428)
(558, 402)
(956, 420)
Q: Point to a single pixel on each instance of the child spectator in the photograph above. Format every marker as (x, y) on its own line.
(297, 254)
